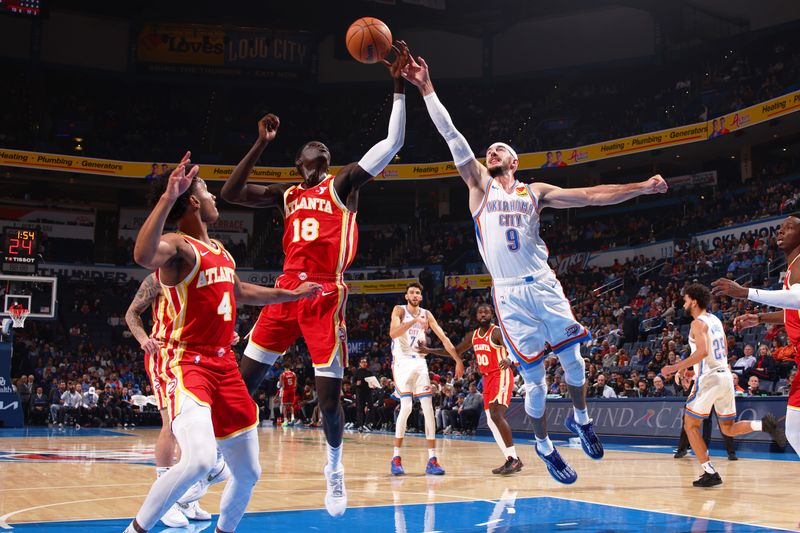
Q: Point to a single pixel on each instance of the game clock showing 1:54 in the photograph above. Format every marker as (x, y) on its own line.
(20, 250)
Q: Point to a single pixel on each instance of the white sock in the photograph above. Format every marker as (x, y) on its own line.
(755, 425)
(545, 445)
(581, 416)
(334, 456)
(708, 467)
(396, 451)
(511, 451)
(161, 470)
(431, 453)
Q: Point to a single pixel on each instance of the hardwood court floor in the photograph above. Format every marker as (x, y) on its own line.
(95, 474)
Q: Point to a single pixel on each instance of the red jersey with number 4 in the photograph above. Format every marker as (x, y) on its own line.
(320, 234)
(791, 317)
(288, 383)
(201, 309)
(487, 353)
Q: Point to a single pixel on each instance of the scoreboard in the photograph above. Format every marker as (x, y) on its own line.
(20, 251)
(22, 7)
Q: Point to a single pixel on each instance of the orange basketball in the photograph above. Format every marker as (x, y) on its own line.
(368, 40)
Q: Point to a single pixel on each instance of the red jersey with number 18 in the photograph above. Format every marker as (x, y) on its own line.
(320, 234)
(201, 309)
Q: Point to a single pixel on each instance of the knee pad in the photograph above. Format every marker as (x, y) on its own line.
(535, 391)
(574, 366)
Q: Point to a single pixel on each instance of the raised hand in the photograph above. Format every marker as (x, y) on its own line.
(656, 185)
(416, 72)
(308, 290)
(728, 287)
(268, 127)
(236, 338)
(745, 321)
(401, 57)
(179, 180)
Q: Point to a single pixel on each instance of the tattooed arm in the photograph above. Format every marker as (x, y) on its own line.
(145, 296)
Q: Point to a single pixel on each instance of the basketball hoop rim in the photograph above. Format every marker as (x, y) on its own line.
(18, 316)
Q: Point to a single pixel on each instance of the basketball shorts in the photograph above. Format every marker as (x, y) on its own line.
(151, 367)
(535, 317)
(497, 388)
(287, 398)
(411, 377)
(794, 393)
(320, 321)
(212, 380)
(714, 389)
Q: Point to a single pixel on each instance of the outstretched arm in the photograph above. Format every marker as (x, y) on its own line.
(236, 189)
(781, 298)
(474, 174)
(249, 294)
(153, 250)
(461, 347)
(354, 175)
(147, 293)
(556, 197)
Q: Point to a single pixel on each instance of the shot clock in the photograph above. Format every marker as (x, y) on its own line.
(20, 250)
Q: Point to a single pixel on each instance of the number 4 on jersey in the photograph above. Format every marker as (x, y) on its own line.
(225, 308)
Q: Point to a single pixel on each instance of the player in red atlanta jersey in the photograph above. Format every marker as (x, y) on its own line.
(486, 342)
(288, 382)
(319, 241)
(788, 298)
(206, 397)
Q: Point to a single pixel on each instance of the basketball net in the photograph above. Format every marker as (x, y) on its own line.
(18, 315)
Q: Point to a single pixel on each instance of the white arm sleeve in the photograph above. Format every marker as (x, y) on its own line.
(784, 299)
(459, 147)
(376, 159)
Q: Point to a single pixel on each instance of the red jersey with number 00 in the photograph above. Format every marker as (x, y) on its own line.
(201, 309)
(487, 354)
(288, 382)
(320, 234)
(791, 317)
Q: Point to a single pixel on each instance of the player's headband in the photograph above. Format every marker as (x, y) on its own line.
(510, 150)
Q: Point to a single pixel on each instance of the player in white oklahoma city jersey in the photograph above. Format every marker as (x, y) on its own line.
(534, 315)
(713, 383)
(408, 330)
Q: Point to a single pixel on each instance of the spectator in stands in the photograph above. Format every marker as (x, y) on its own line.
(754, 387)
(563, 389)
(71, 401)
(39, 407)
(470, 411)
(659, 390)
(744, 363)
(610, 358)
(784, 358)
(764, 367)
(57, 404)
(89, 405)
(737, 389)
(348, 400)
(643, 392)
(657, 363)
(628, 391)
(308, 400)
(600, 389)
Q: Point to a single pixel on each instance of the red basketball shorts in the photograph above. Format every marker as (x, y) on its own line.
(287, 398)
(151, 365)
(320, 321)
(497, 388)
(213, 380)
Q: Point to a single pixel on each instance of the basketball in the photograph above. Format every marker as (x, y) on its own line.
(368, 40)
